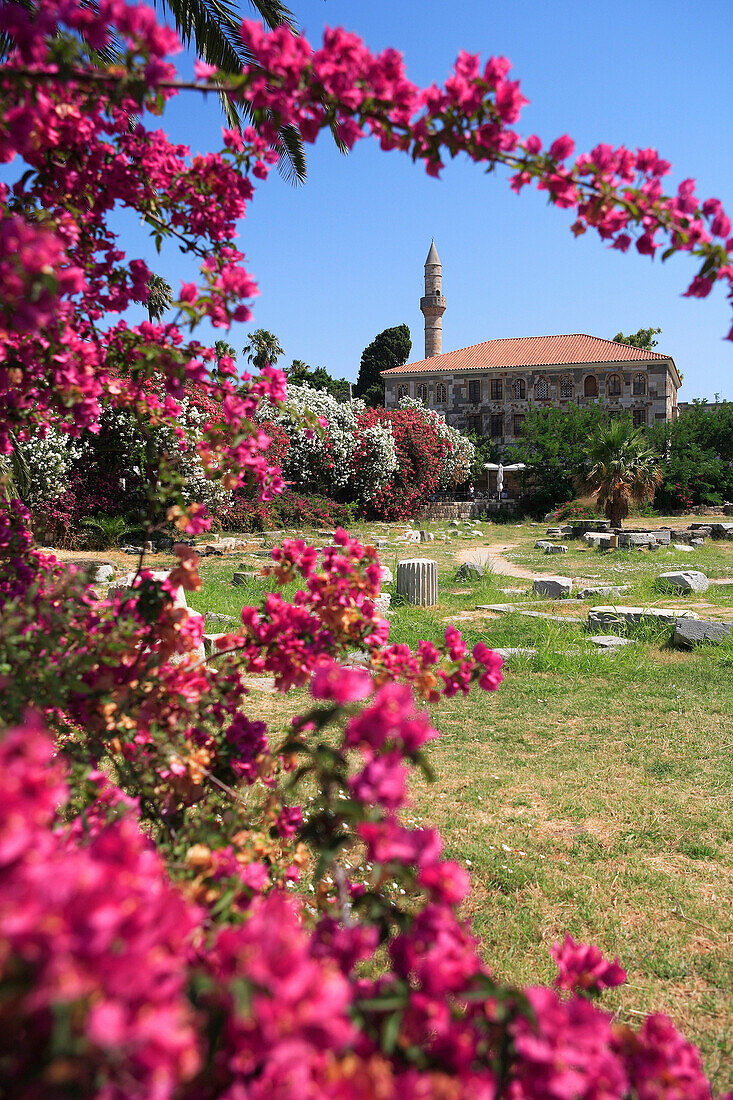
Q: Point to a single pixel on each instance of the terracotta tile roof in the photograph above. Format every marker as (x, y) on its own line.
(529, 351)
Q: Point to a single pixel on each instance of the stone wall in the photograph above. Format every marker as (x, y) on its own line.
(463, 510)
(479, 407)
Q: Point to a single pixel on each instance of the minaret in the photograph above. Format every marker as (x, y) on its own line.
(433, 304)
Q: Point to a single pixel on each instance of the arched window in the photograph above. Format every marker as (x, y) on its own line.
(542, 389)
(590, 386)
(613, 385)
(519, 390)
(639, 384)
(441, 393)
(422, 393)
(566, 389)
(402, 391)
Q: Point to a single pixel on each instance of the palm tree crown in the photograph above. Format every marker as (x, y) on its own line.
(620, 468)
(263, 348)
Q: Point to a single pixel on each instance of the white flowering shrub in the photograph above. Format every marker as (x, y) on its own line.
(127, 446)
(456, 466)
(334, 456)
(47, 461)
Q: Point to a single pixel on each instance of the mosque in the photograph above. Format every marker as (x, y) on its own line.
(487, 388)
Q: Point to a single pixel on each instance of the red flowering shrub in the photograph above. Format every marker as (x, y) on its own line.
(148, 948)
(420, 452)
(287, 509)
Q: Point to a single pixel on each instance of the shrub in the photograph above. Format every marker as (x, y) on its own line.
(575, 509)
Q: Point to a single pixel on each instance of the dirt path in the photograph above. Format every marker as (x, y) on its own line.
(492, 558)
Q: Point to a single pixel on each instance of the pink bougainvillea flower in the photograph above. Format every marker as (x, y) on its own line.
(339, 684)
(582, 967)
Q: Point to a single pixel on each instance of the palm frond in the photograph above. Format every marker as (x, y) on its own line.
(213, 26)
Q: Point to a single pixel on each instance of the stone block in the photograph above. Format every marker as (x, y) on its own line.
(543, 544)
(210, 641)
(636, 538)
(104, 573)
(506, 653)
(470, 571)
(385, 575)
(227, 623)
(696, 542)
(382, 602)
(556, 548)
(688, 634)
(593, 538)
(722, 530)
(609, 615)
(242, 577)
(684, 580)
(683, 548)
(554, 587)
(609, 641)
(417, 581)
(600, 590)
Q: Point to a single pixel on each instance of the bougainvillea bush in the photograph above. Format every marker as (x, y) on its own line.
(152, 842)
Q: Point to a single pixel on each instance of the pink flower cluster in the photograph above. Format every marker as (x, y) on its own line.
(95, 940)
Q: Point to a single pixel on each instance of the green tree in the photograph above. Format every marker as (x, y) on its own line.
(644, 338)
(390, 348)
(620, 469)
(551, 446)
(485, 451)
(263, 348)
(318, 378)
(222, 348)
(698, 450)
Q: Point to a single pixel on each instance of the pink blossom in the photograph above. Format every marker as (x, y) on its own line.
(582, 967)
(339, 684)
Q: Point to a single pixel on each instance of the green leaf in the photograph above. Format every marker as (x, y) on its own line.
(390, 1032)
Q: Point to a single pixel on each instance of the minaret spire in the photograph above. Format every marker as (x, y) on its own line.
(432, 304)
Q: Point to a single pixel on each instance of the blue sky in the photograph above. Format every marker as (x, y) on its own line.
(341, 258)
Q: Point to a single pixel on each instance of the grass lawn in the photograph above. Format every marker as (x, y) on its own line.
(590, 794)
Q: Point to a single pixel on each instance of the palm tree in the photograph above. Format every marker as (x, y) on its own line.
(263, 347)
(620, 468)
(108, 530)
(15, 477)
(160, 297)
(213, 26)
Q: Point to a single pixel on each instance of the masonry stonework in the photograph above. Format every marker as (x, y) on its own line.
(488, 388)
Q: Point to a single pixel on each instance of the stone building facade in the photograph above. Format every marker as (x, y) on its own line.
(488, 388)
